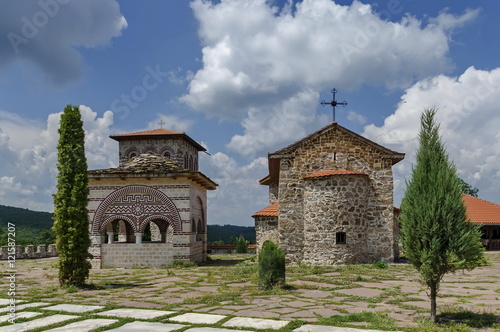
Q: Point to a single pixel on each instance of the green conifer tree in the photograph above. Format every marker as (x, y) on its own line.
(241, 245)
(71, 225)
(437, 238)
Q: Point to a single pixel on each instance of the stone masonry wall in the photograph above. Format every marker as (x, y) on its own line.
(335, 204)
(335, 149)
(266, 229)
(138, 255)
(179, 149)
(29, 251)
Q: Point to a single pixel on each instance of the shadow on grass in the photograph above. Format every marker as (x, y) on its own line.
(469, 318)
(93, 286)
(221, 262)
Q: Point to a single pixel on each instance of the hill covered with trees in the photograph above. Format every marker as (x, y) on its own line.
(34, 227)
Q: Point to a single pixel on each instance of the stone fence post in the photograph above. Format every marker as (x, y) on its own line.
(40, 251)
(52, 250)
(29, 251)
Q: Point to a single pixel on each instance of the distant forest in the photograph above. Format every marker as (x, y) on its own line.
(33, 227)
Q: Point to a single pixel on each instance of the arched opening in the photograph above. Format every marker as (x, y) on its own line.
(118, 231)
(157, 231)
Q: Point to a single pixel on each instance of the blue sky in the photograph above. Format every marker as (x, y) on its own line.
(245, 78)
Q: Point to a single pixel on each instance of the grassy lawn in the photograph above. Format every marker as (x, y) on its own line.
(373, 296)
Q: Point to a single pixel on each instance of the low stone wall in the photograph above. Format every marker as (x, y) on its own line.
(129, 255)
(30, 251)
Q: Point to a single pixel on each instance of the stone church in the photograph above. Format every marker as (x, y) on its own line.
(156, 189)
(331, 196)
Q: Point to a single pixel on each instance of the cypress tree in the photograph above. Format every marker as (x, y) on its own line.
(437, 238)
(71, 225)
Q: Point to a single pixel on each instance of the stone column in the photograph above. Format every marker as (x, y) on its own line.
(110, 237)
(138, 238)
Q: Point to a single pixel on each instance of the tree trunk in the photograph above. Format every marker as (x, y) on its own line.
(433, 287)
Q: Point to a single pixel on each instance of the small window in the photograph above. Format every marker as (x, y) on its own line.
(340, 238)
(132, 155)
(167, 154)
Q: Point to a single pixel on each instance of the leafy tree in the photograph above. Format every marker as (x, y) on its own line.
(71, 225)
(46, 236)
(436, 236)
(271, 266)
(467, 188)
(241, 245)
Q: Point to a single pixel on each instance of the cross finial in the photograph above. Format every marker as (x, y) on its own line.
(333, 103)
(161, 123)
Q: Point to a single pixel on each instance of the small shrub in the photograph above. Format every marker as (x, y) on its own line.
(380, 265)
(182, 263)
(271, 266)
(71, 289)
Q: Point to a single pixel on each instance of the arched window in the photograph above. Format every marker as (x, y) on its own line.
(167, 154)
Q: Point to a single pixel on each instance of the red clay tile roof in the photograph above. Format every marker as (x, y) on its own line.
(333, 172)
(481, 211)
(151, 132)
(270, 211)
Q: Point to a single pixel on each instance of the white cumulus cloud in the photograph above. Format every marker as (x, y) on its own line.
(29, 171)
(469, 125)
(257, 58)
(239, 194)
(47, 33)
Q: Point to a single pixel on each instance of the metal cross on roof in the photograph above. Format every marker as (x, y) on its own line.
(333, 103)
(161, 123)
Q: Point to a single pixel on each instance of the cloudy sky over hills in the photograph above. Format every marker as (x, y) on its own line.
(245, 78)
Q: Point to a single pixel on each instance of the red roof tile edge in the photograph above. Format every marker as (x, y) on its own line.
(269, 211)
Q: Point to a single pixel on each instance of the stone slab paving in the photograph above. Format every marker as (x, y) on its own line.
(364, 292)
(209, 329)
(7, 301)
(135, 313)
(73, 308)
(84, 325)
(323, 328)
(256, 323)
(147, 327)
(27, 305)
(27, 314)
(37, 323)
(194, 318)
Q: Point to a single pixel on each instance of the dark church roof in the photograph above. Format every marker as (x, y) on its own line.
(157, 134)
(153, 165)
(143, 164)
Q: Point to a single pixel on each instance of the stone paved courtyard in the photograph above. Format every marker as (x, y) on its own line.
(226, 289)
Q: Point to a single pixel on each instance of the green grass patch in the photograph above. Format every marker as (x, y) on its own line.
(373, 320)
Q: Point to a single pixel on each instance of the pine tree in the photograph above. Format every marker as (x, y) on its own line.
(71, 225)
(437, 238)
